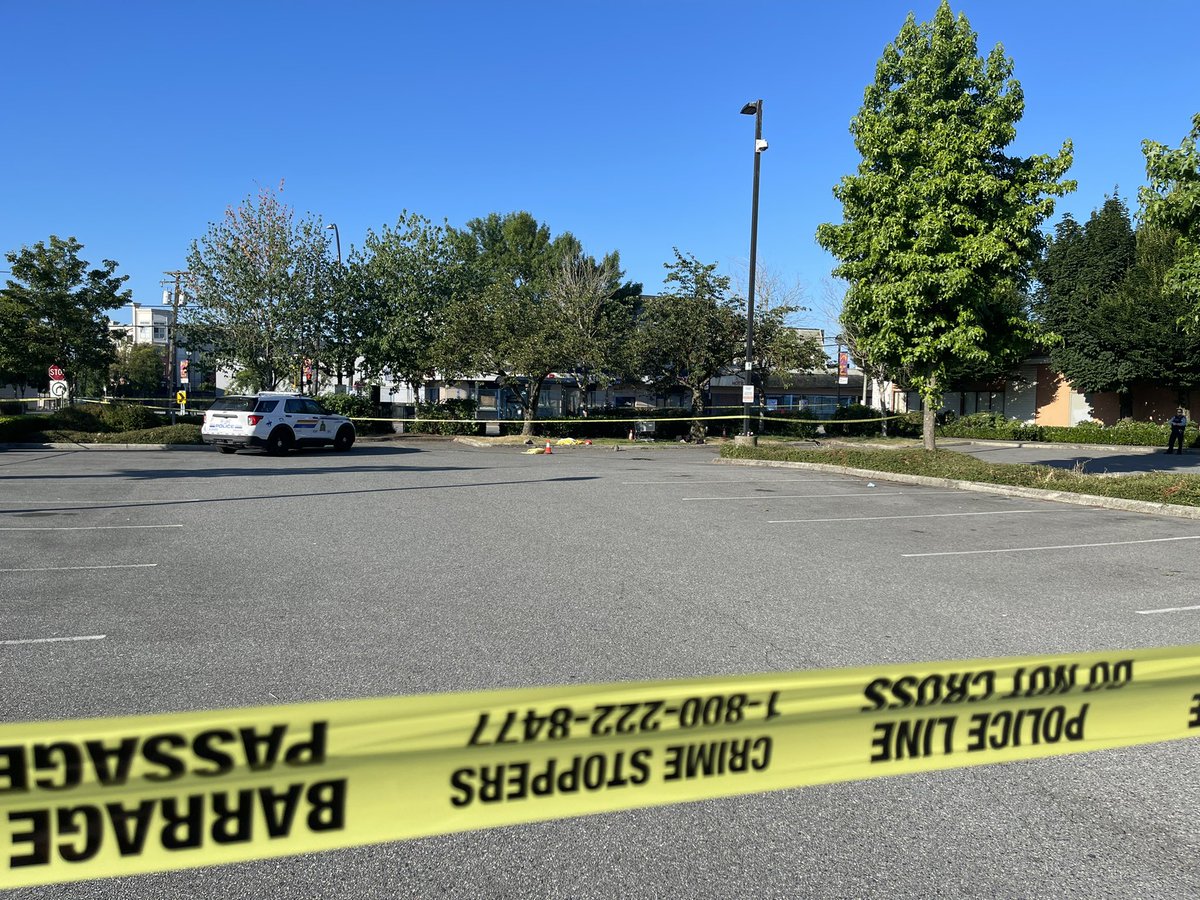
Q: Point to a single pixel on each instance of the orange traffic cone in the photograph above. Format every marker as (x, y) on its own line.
(548, 451)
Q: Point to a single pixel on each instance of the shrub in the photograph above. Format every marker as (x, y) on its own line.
(1126, 432)
(11, 407)
(610, 422)
(353, 406)
(449, 417)
(802, 423)
(909, 424)
(75, 418)
(991, 426)
(163, 434)
(852, 428)
(16, 429)
(129, 417)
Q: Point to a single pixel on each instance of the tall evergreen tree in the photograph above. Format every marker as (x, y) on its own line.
(1102, 292)
(940, 225)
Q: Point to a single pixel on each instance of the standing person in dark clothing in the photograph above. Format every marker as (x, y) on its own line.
(1178, 423)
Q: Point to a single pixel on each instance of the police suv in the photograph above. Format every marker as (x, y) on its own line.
(275, 422)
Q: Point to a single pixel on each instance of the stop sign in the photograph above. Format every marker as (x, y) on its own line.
(56, 373)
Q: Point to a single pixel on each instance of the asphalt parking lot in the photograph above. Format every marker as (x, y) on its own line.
(138, 582)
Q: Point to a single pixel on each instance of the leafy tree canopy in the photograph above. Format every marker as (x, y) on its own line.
(940, 225)
(406, 277)
(686, 335)
(53, 309)
(1172, 200)
(138, 371)
(260, 285)
(527, 305)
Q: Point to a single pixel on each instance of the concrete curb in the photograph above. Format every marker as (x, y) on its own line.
(71, 445)
(1140, 449)
(1138, 506)
(946, 443)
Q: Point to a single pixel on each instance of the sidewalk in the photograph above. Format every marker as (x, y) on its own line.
(1094, 459)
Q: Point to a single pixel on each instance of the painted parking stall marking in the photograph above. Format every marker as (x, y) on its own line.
(1169, 609)
(1189, 537)
(82, 527)
(993, 512)
(54, 640)
(84, 568)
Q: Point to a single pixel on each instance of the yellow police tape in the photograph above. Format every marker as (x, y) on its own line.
(198, 404)
(93, 798)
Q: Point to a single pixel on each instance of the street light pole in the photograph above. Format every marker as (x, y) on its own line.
(337, 237)
(332, 226)
(752, 109)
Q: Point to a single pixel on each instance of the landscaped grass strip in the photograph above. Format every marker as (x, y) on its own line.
(1157, 487)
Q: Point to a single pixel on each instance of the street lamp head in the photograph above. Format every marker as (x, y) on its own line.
(750, 108)
(331, 228)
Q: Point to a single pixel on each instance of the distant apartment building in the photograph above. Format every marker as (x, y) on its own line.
(149, 325)
(152, 325)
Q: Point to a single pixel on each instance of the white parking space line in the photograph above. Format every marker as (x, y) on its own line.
(81, 568)
(863, 493)
(690, 481)
(770, 496)
(1151, 612)
(84, 527)
(995, 512)
(1190, 537)
(55, 640)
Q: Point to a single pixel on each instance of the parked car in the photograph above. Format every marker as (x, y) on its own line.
(275, 422)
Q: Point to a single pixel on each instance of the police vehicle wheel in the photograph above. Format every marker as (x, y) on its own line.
(280, 442)
(344, 440)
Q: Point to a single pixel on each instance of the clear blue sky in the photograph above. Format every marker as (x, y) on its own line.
(131, 125)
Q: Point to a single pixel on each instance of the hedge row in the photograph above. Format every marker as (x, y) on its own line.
(165, 434)
(993, 426)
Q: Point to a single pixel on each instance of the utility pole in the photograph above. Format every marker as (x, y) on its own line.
(172, 365)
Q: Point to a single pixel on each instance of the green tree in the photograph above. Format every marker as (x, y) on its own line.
(595, 314)
(260, 287)
(686, 335)
(138, 369)
(1172, 201)
(406, 277)
(53, 313)
(525, 305)
(1101, 291)
(940, 225)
